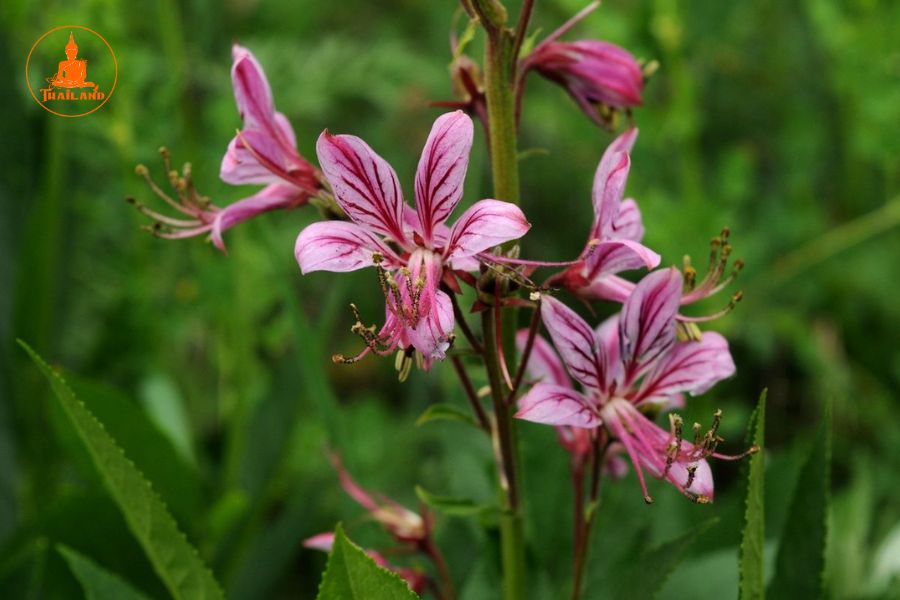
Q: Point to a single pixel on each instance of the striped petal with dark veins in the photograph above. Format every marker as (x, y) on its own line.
(364, 184)
(442, 170)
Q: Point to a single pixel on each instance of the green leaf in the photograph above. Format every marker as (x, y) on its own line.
(800, 564)
(352, 575)
(97, 582)
(445, 412)
(174, 559)
(448, 505)
(529, 43)
(174, 478)
(644, 576)
(753, 582)
(466, 38)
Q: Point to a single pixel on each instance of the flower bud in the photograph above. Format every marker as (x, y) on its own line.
(600, 76)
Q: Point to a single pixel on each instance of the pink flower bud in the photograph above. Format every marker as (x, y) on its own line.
(593, 72)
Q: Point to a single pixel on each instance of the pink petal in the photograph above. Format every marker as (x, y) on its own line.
(608, 287)
(628, 224)
(609, 187)
(607, 336)
(647, 325)
(543, 364)
(576, 343)
(606, 73)
(689, 367)
(557, 405)
(272, 197)
(270, 158)
(322, 541)
(484, 225)
(616, 256)
(338, 246)
(364, 184)
(701, 485)
(431, 336)
(251, 89)
(442, 169)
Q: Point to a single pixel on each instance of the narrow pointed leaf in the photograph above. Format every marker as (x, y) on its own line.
(644, 576)
(447, 505)
(353, 575)
(753, 586)
(173, 558)
(800, 564)
(96, 582)
(445, 412)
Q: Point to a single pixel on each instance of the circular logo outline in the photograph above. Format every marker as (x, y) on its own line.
(111, 53)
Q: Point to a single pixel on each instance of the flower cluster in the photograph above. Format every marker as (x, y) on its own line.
(601, 386)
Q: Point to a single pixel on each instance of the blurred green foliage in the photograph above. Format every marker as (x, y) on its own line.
(779, 118)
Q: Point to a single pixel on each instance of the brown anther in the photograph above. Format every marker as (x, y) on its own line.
(698, 436)
(692, 472)
(164, 152)
(676, 424)
(648, 499)
(142, 171)
(726, 251)
(725, 233)
(377, 258)
(690, 278)
(738, 265)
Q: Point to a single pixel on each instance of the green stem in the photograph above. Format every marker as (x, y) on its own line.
(511, 531)
(500, 74)
(498, 61)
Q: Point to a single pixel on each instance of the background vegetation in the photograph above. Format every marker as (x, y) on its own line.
(778, 118)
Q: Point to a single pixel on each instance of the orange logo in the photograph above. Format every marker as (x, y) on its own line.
(64, 87)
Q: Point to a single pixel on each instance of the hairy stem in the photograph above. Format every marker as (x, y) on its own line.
(498, 79)
(500, 73)
(511, 531)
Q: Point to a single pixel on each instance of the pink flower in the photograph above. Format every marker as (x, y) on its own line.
(631, 362)
(417, 580)
(614, 242)
(409, 248)
(402, 523)
(593, 72)
(611, 287)
(263, 152)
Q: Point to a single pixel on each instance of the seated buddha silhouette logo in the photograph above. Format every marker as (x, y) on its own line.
(69, 91)
(71, 72)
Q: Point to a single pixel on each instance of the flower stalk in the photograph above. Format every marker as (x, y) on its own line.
(500, 75)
